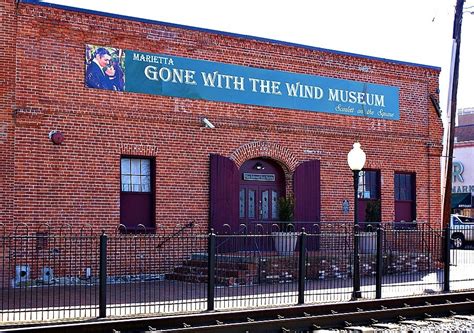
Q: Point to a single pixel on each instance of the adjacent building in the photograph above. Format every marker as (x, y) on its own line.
(463, 169)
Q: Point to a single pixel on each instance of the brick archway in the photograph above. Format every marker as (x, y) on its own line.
(265, 149)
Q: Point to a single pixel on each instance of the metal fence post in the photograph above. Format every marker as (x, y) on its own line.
(447, 258)
(103, 276)
(356, 293)
(302, 267)
(211, 269)
(379, 264)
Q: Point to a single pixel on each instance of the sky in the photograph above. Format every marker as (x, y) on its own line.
(416, 31)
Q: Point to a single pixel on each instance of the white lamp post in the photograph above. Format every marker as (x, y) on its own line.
(356, 160)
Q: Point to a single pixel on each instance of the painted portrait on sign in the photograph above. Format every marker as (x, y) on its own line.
(105, 68)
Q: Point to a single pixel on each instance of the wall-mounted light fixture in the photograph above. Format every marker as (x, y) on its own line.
(57, 137)
(258, 166)
(207, 123)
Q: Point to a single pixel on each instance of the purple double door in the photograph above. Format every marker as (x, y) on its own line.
(246, 199)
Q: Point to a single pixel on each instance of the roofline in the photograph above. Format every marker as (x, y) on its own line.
(223, 33)
(464, 144)
(464, 126)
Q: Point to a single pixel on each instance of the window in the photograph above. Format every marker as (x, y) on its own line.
(466, 219)
(404, 186)
(368, 185)
(368, 197)
(137, 203)
(135, 174)
(405, 204)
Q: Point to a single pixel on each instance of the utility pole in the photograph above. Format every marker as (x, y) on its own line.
(452, 104)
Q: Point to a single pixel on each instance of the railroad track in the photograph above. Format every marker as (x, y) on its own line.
(303, 318)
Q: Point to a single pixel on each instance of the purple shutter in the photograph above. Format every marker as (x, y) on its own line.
(224, 194)
(136, 208)
(306, 184)
(361, 215)
(404, 211)
(307, 193)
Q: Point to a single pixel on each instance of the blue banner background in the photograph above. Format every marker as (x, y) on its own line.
(183, 77)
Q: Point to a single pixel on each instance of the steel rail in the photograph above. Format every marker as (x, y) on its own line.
(301, 317)
(337, 320)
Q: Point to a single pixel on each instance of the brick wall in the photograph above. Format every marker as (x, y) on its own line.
(78, 182)
(7, 98)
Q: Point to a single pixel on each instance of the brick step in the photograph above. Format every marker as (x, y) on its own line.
(229, 258)
(194, 278)
(228, 271)
(220, 280)
(221, 265)
(219, 272)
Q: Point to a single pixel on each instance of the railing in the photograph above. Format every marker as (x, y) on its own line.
(177, 233)
(61, 274)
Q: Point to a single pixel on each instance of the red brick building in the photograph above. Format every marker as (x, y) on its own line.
(72, 153)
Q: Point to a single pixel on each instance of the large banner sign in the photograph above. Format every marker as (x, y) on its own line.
(124, 70)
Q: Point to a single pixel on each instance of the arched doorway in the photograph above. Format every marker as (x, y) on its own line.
(262, 182)
(230, 206)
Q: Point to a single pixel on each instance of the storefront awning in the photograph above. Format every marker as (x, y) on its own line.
(461, 200)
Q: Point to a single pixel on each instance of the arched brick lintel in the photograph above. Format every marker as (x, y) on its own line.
(138, 150)
(265, 149)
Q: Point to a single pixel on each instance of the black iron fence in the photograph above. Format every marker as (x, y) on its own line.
(48, 275)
